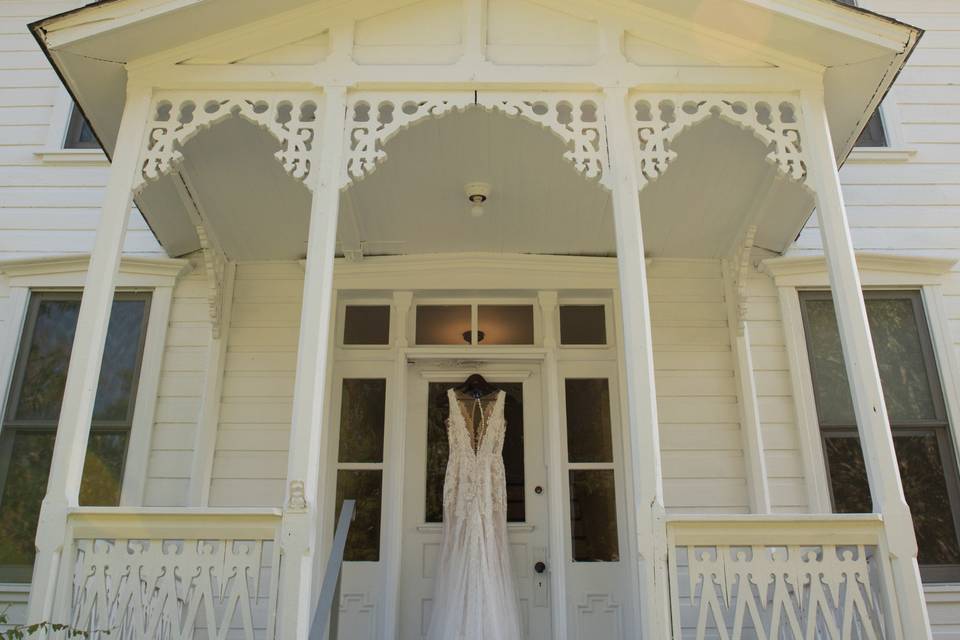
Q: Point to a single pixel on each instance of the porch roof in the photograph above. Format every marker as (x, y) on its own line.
(862, 52)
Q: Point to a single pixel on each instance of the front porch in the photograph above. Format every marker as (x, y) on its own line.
(606, 256)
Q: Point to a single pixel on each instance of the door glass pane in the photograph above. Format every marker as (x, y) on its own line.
(583, 324)
(443, 324)
(365, 324)
(897, 343)
(121, 361)
(48, 356)
(363, 541)
(505, 324)
(589, 437)
(438, 450)
(920, 458)
(593, 516)
(362, 411)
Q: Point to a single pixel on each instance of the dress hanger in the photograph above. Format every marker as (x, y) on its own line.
(476, 386)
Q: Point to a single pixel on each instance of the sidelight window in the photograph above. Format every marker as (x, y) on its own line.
(363, 404)
(915, 404)
(593, 503)
(33, 410)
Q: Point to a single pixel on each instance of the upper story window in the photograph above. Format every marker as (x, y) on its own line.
(79, 134)
(915, 403)
(33, 410)
(874, 134)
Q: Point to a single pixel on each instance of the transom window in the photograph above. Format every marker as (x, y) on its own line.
(914, 399)
(33, 410)
(475, 324)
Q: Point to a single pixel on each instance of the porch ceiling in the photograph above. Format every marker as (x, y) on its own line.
(414, 202)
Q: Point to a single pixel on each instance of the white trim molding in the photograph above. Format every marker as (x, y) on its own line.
(876, 270)
(158, 275)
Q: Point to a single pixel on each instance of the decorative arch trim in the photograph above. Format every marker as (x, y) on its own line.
(292, 118)
(659, 119)
(374, 118)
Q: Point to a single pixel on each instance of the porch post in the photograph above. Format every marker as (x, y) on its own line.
(876, 439)
(638, 350)
(83, 374)
(305, 508)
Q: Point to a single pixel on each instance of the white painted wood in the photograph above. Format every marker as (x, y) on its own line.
(63, 486)
(201, 470)
(307, 433)
(553, 439)
(801, 381)
(395, 445)
(641, 390)
(144, 412)
(869, 407)
(17, 303)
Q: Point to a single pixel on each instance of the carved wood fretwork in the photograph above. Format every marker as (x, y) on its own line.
(577, 119)
(660, 119)
(292, 119)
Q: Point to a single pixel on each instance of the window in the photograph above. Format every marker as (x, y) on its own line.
(914, 399)
(475, 324)
(874, 134)
(363, 403)
(505, 324)
(33, 409)
(593, 499)
(438, 450)
(583, 324)
(79, 134)
(366, 325)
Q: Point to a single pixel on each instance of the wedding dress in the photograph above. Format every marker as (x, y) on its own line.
(474, 596)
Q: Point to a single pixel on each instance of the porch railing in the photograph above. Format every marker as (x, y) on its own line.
(812, 577)
(327, 615)
(149, 574)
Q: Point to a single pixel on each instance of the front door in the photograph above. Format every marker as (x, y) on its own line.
(425, 465)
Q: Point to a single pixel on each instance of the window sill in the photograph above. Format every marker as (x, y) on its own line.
(73, 156)
(873, 155)
(12, 588)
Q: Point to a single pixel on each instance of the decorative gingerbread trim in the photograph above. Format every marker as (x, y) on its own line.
(176, 118)
(659, 119)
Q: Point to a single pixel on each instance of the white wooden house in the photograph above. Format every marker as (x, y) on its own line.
(628, 214)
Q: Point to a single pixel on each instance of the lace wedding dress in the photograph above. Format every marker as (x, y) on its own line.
(474, 596)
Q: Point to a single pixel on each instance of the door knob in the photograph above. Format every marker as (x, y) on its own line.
(540, 567)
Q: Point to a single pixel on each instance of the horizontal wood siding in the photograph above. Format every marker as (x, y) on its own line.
(703, 465)
(250, 462)
(45, 207)
(178, 398)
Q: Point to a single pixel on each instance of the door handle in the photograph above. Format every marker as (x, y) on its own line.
(540, 567)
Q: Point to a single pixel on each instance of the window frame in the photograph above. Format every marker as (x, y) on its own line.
(940, 427)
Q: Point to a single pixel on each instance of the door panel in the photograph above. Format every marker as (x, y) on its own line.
(423, 478)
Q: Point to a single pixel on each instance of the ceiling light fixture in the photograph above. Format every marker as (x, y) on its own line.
(477, 195)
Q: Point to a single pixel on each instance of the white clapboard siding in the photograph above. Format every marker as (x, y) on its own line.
(45, 207)
(250, 461)
(178, 397)
(703, 465)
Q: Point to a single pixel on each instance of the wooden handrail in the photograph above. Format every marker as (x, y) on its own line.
(330, 591)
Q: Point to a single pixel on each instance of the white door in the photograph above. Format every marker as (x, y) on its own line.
(425, 464)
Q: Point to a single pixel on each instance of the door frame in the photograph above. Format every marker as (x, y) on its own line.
(546, 281)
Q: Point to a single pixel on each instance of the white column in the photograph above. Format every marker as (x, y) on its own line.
(555, 463)
(304, 505)
(872, 422)
(76, 412)
(638, 350)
